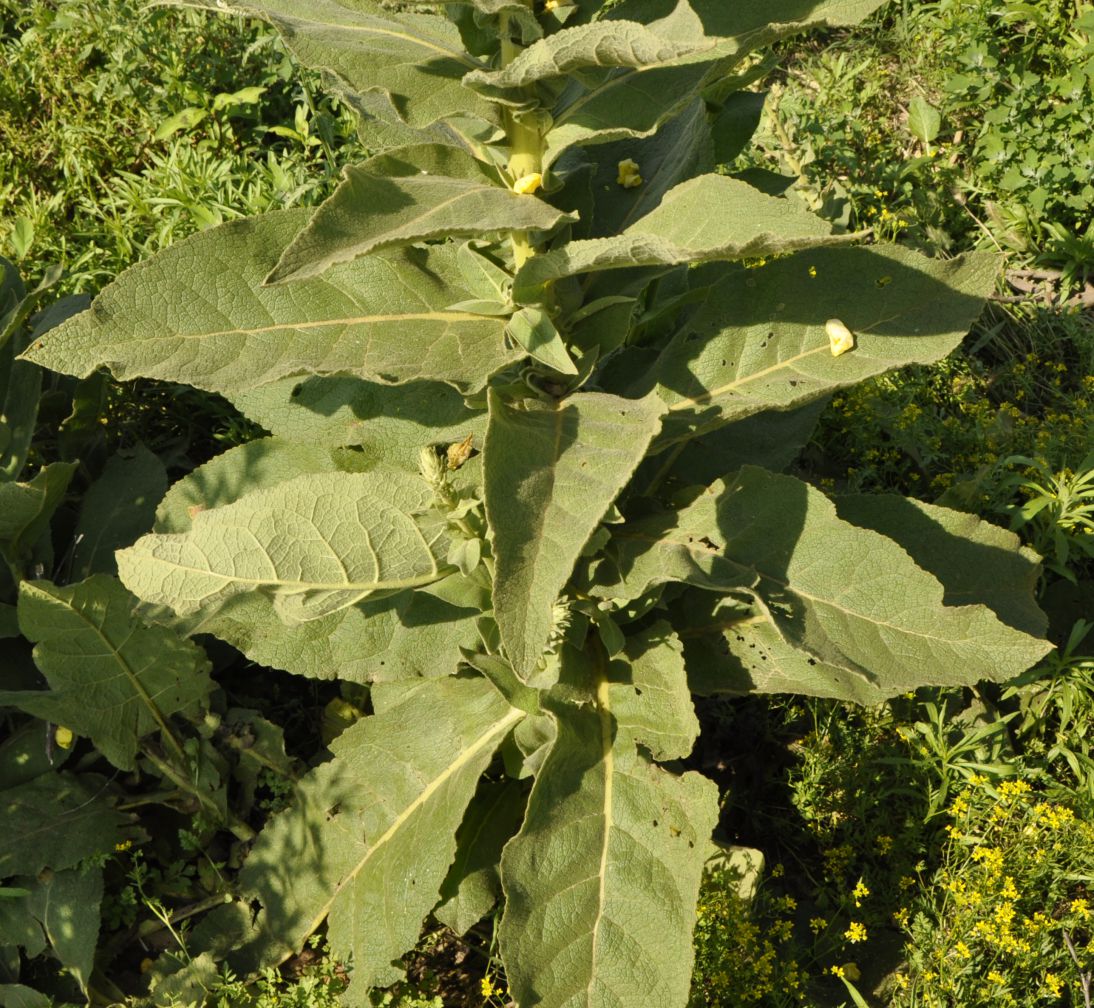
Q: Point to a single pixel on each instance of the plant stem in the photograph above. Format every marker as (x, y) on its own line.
(525, 144)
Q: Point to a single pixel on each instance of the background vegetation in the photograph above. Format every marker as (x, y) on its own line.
(937, 851)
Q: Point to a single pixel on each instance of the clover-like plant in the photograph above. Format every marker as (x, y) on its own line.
(531, 376)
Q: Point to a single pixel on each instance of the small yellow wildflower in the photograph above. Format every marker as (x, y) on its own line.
(860, 892)
(123, 846)
(551, 5)
(817, 924)
(1081, 908)
(528, 184)
(995, 977)
(487, 987)
(883, 843)
(836, 971)
(812, 271)
(629, 176)
(63, 736)
(1054, 984)
(963, 950)
(855, 932)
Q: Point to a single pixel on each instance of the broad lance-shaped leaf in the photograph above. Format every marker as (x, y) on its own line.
(372, 833)
(406, 636)
(602, 880)
(67, 906)
(551, 472)
(759, 342)
(600, 45)
(851, 598)
(56, 821)
(708, 218)
(369, 212)
(111, 678)
(634, 102)
(315, 544)
(389, 423)
(414, 61)
(198, 313)
(26, 508)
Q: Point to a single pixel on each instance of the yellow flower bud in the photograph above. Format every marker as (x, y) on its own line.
(63, 737)
(840, 338)
(527, 184)
(629, 177)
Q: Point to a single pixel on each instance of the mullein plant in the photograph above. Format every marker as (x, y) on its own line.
(532, 375)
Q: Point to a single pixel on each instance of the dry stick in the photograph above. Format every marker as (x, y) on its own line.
(1084, 978)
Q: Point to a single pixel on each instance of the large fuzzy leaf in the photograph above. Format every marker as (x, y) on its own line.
(388, 423)
(847, 598)
(759, 342)
(111, 678)
(369, 211)
(752, 20)
(551, 472)
(117, 508)
(56, 821)
(602, 880)
(372, 833)
(315, 544)
(67, 906)
(412, 62)
(198, 313)
(26, 508)
(407, 636)
(683, 229)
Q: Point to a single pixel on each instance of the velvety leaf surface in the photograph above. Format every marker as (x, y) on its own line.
(315, 544)
(26, 508)
(682, 229)
(389, 423)
(112, 678)
(66, 903)
(414, 61)
(372, 833)
(758, 342)
(198, 313)
(473, 884)
(369, 212)
(602, 880)
(551, 471)
(55, 821)
(116, 509)
(406, 636)
(852, 598)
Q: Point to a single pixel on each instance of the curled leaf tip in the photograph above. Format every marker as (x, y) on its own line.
(840, 338)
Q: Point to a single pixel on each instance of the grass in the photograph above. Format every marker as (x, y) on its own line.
(935, 851)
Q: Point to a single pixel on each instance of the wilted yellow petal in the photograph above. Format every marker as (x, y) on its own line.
(629, 176)
(840, 338)
(528, 183)
(63, 737)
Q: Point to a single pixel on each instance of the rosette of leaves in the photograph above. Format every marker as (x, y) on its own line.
(531, 375)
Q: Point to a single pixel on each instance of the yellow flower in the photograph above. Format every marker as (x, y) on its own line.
(812, 271)
(860, 892)
(123, 846)
(63, 736)
(487, 987)
(528, 184)
(836, 971)
(855, 932)
(1054, 984)
(629, 176)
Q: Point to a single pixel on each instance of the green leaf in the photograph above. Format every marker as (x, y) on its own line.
(735, 122)
(571, 51)
(850, 598)
(19, 996)
(407, 636)
(66, 904)
(55, 821)
(976, 561)
(197, 313)
(473, 884)
(372, 833)
(680, 149)
(117, 508)
(26, 508)
(413, 61)
(759, 342)
(602, 880)
(315, 544)
(186, 119)
(112, 678)
(649, 693)
(368, 212)
(682, 230)
(551, 472)
(751, 20)
(533, 331)
(924, 120)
